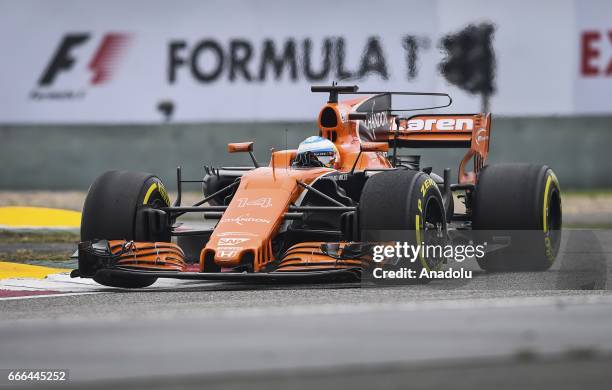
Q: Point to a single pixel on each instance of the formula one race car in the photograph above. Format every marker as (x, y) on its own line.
(312, 214)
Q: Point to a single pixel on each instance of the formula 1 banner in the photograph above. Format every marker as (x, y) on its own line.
(143, 61)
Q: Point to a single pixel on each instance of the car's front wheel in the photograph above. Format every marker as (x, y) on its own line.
(405, 206)
(113, 210)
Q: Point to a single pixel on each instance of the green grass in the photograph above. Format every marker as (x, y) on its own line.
(27, 256)
(37, 254)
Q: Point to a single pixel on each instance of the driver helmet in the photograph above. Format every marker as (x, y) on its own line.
(316, 151)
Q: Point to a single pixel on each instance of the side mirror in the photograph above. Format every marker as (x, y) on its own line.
(374, 147)
(243, 147)
(240, 147)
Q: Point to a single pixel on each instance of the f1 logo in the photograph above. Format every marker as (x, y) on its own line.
(62, 60)
(102, 63)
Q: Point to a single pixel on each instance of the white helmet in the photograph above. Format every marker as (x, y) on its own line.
(316, 151)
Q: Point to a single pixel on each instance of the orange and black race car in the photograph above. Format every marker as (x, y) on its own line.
(312, 214)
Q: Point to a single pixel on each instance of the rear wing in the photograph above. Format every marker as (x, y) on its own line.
(375, 119)
(471, 131)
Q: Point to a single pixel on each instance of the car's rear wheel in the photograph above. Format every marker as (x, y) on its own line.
(113, 210)
(520, 203)
(405, 206)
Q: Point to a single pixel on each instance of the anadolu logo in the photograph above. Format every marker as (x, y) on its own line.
(102, 65)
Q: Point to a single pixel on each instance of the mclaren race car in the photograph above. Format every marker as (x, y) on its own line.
(313, 214)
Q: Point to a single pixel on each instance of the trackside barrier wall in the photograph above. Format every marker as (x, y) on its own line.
(70, 157)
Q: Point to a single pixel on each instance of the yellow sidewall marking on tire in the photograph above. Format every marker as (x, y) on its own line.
(15, 270)
(544, 213)
(417, 227)
(547, 241)
(149, 192)
(163, 193)
(39, 217)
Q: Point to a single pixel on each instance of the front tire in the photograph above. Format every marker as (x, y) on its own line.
(112, 211)
(405, 206)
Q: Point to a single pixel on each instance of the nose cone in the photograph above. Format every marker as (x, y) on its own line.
(252, 218)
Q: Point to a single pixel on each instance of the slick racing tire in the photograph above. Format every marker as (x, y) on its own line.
(405, 206)
(520, 203)
(111, 212)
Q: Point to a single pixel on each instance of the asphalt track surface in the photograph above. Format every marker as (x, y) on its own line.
(518, 330)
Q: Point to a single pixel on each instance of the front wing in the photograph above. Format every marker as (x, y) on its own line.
(331, 275)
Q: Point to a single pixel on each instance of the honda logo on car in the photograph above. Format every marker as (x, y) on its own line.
(228, 252)
(440, 124)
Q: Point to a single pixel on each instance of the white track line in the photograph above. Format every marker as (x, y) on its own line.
(62, 284)
(50, 295)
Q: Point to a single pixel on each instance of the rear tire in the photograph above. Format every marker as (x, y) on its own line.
(523, 201)
(397, 202)
(111, 212)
